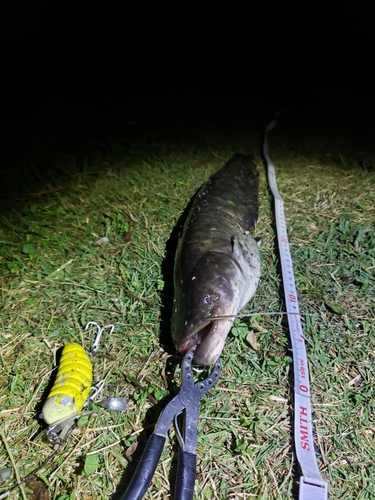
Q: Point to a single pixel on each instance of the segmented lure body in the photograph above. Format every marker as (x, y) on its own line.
(71, 387)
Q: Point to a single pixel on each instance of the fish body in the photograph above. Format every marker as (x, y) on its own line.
(217, 265)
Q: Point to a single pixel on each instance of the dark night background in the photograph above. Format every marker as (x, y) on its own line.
(79, 68)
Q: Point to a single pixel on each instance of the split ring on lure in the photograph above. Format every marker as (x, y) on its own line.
(72, 385)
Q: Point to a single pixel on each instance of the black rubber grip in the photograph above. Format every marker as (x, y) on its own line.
(186, 471)
(145, 470)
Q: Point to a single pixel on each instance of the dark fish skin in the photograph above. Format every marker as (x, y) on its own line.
(217, 265)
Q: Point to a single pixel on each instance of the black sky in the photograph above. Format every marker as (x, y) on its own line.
(118, 46)
(64, 62)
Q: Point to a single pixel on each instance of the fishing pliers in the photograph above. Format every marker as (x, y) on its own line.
(187, 401)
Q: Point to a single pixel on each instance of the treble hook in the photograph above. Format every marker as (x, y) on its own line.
(95, 345)
(95, 391)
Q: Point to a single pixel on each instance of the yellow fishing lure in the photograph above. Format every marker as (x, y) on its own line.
(71, 387)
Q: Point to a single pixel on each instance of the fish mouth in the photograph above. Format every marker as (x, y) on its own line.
(197, 338)
(209, 338)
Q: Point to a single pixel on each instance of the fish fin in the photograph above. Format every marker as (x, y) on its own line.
(236, 246)
(258, 240)
(250, 220)
(233, 242)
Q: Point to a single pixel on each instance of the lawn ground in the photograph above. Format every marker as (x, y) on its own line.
(69, 180)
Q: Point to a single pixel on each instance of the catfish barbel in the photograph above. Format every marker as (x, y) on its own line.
(217, 265)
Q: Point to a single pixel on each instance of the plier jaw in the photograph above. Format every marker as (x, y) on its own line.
(190, 396)
(187, 401)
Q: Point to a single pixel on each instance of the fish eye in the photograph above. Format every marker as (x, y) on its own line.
(206, 299)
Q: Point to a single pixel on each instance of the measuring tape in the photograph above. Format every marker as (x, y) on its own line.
(312, 485)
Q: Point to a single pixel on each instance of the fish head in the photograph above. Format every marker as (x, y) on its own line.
(214, 289)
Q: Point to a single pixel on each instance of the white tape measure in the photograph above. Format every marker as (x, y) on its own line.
(312, 485)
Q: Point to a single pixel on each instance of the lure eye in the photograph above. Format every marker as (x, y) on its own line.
(206, 299)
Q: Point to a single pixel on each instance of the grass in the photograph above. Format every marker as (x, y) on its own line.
(133, 191)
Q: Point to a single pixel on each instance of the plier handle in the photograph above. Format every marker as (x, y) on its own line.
(187, 400)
